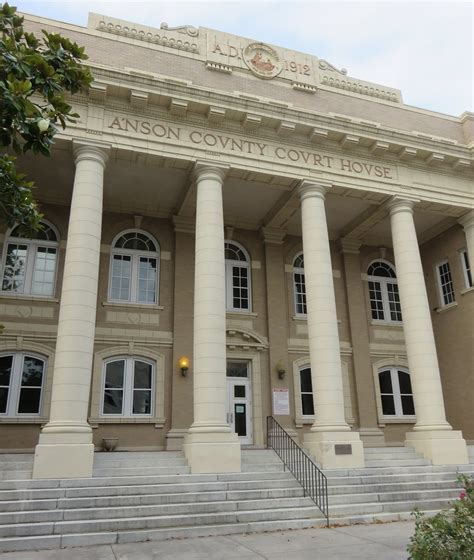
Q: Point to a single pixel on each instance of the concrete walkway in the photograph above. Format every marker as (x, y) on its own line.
(386, 541)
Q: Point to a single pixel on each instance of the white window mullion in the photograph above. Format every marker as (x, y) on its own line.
(15, 384)
(134, 279)
(396, 392)
(128, 388)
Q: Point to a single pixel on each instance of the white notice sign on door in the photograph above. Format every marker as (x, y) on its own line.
(281, 402)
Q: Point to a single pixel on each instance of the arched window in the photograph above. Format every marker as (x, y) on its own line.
(128, 387)
(21, 384)
(29, 265)
(299, 286)
(134, 265)
(237, 277)
(383, 292)
(395, 392)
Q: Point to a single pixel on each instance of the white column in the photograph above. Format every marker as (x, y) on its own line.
(330, 438)
(210, 446)
(65, 446)
(432, 435)
(467, 222)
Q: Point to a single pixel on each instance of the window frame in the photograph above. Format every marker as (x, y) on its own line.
(15, 386)
(135, 256)
(299, 270)
(397, 394)
(30, 261)
(385, 299)
(128, 387)
(466, 268)
(229, 264)
(441, 298)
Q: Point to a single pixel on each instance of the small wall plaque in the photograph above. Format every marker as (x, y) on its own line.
(343, 449)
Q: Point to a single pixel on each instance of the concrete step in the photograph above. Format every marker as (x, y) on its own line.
(407, 506)
(395, 487)
(16, 475)
(155, 522)
(84, 539)
(392, 479)
(399, 463)
(148, 499)
(137, 480)
(378, 497)
(143, 489)
(140, 471)
(395, 450)
(377, 471)
(88, 514)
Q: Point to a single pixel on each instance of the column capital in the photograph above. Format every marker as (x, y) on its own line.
(91, 150)
(210, 170)
(467, 220)
(402, 204)
(273, 235)
(313, 188)
(350, 245)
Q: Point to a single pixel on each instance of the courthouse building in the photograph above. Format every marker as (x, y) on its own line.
(234, 230)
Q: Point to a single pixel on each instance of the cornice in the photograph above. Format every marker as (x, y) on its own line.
(350, 133)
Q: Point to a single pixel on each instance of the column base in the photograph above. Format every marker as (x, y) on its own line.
(322, 446)
(212, 452)
(175, 438)
(372, 437)
(61, 460)
(64, 451)
(441, 447)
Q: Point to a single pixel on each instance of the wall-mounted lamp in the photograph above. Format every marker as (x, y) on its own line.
(280, 369)
(183, 364)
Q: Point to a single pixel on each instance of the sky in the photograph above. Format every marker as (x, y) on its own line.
(424, 48)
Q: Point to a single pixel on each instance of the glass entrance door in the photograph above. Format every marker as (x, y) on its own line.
(239, 401)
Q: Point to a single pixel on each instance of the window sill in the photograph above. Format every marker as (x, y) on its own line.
(23, 420)
(467, 290)
(397, 420)
(301, 421)
(304, 318)
(446, 307)
(240, 313)
(149, 306)
(29, 297)
(158, 422)
(392, 324)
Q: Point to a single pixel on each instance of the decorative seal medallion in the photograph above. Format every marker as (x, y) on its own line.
(262, 60)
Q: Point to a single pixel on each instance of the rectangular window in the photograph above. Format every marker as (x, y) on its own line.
(394, 302)
(445, 283)
(121, 277)
(466, 268)
(376, 301)
(43, 273)
(31, 383)
(6, 363)
(240, 288)
(300, 293)
(142, 384)
(146, 279)
(114, 386)
(15, 268)
(307, 405)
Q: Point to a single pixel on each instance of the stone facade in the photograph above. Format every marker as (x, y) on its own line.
(194, 138)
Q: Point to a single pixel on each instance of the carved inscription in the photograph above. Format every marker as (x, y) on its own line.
(218, 143)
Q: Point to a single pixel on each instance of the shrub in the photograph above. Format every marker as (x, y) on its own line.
(449, 535)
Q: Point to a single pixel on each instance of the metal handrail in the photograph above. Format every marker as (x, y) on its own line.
(300, 464)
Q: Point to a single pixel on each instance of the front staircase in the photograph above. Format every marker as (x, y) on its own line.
(151, 496)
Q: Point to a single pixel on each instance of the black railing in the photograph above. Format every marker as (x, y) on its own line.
(300, 464)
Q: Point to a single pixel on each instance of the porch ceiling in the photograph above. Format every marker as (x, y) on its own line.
(155, 186)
